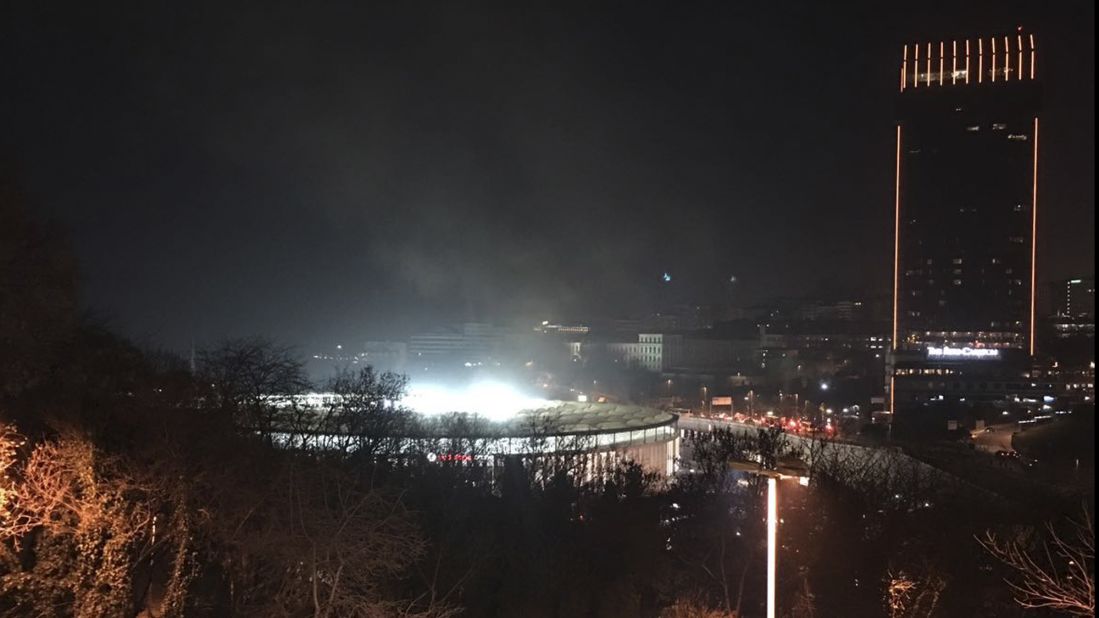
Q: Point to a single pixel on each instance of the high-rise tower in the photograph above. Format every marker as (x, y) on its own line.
(967, 193)
(965, 221)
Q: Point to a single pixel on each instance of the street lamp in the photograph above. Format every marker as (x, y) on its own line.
(785, 468)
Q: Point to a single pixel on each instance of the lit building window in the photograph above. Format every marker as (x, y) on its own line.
(999, 126)
(973, 128)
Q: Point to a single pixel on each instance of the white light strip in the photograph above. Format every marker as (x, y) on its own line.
(772, 540)
(966, 352)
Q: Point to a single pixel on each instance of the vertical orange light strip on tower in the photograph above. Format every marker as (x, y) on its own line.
(896, 236)
(967, 61)
(929, 64)
(916, 67)
(904, 68)
(1032, 57)
(1019, 43)
(1007, 60)
(1033, 236)
(941, 53)
(993, 58)
(980, 60)
(954, 62)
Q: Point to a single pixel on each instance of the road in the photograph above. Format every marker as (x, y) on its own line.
(994, 437)
(889, 460)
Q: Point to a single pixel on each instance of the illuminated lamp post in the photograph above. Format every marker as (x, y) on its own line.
(785, 468)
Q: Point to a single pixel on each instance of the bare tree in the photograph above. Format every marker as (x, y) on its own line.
(804, 605)
(254, 380)
(913, 597)
(365, 408)
(1059, 575)
(325, 545)
(691, 607)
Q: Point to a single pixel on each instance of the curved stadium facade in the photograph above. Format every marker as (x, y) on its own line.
(600, 435)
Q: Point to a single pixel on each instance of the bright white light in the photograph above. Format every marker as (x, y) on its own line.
(492, 400)
(823, 386)
(949, 352)
(772, 539)
(582, 398)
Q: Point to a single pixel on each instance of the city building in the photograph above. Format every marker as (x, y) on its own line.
(472, 342)
(965, 219)
(1074, 299)
(1069, 334)
(966, 193)
(652, 351)
(572, 330)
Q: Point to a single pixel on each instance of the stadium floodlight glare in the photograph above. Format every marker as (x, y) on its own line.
(494, 401)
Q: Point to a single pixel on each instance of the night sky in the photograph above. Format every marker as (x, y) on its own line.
(355, 171)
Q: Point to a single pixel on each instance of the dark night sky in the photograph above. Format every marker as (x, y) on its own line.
(351, 171)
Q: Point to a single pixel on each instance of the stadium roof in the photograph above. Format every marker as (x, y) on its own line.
(567, 417)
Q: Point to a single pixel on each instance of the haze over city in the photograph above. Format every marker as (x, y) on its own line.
(362, 170)
(426, 310)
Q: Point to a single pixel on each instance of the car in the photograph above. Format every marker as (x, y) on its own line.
(989, 429)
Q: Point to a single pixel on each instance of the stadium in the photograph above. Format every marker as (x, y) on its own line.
(480, 428)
